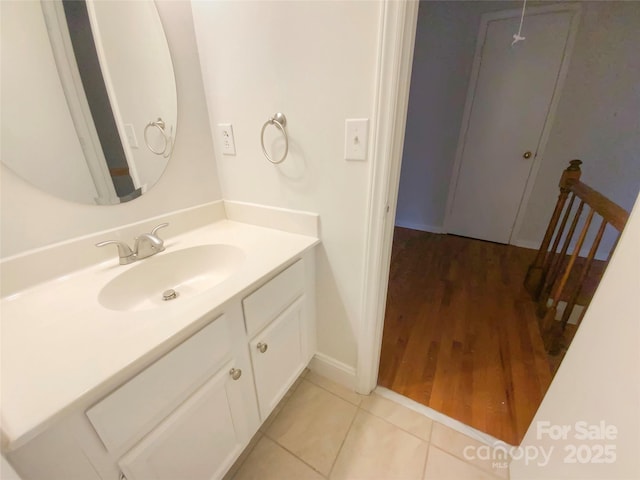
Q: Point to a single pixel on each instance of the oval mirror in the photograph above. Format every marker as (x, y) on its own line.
(88, 97)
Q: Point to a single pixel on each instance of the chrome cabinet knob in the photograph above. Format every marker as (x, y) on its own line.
(262, 347)
(526, 155)
(235, 373)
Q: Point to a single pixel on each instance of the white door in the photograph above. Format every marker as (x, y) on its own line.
(508, 104)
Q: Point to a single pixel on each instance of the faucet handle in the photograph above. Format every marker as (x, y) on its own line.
(149, 244)
(158, 227)
(124, 251)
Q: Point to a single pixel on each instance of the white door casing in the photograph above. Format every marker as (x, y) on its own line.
(393, 78)
(511, 100)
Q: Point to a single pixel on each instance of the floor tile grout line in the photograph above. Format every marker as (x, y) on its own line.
(263, 433)
(473, 465)
(360, 407)
(333, 464)
(296, 456)
(426, 460)
(428, 442)
(248, 450)
(283, 402)
(491, 471)
(397, 426)
(429, 445)
(335, 394)
(266, 434)
(438, 417)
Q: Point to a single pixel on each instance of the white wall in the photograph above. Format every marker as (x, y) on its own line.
(599, 378)
(35, 118)
(32, 219)
(315, 62)
(596, 120)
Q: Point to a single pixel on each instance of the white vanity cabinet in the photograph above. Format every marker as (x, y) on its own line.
(200, 440)
(189, 414)
(275, 319)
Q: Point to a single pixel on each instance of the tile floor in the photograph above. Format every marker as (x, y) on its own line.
(321, 430)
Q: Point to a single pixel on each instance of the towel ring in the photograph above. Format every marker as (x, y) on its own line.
(280, 121)
(160, 125)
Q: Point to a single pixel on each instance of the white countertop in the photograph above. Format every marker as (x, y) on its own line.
(59, 343)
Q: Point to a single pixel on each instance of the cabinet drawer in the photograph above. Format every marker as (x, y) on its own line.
(136, 407)
(273, 297)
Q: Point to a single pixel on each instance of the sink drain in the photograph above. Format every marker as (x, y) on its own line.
(169, 294)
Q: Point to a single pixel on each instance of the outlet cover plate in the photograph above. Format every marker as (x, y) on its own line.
(225, 135)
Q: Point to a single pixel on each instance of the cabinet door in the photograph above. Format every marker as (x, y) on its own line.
(277, 356)
(198, 441)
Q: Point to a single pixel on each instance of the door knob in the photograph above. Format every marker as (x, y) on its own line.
(526, 155)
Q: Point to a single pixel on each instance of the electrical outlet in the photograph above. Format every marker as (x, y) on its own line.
(356, 137)
(225, 134)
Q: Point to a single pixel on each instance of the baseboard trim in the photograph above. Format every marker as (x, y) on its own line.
(419, 226)
(334, 370)
(526, 244)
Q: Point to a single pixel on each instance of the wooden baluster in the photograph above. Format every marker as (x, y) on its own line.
(552, 253)
(535, 275)
(556, 265)
(613, 248)
(583, 274)
(552, 330)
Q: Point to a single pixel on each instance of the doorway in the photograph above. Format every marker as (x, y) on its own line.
(595, 122)
(443, 290)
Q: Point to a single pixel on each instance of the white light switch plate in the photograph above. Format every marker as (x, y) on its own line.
(131, 135)
(225, 134)
(356, 137)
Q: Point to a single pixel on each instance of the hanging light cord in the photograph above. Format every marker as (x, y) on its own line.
(516, 36)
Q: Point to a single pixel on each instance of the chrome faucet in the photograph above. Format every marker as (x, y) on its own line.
(146, 245)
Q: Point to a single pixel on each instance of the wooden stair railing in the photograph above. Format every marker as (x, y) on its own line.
(548, 276)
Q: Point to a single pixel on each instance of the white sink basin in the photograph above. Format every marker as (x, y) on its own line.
(188, 272)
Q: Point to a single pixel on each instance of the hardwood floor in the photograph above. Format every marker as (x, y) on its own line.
(461, 335)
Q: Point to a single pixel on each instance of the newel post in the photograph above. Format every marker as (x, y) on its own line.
(535, 275)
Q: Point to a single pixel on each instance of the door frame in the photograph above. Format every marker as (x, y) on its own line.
(485, 19)
(396, 41)
(393, 79)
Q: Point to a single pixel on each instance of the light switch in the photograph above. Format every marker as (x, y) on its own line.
(225, 134)
(356, 138)
(131, 135)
